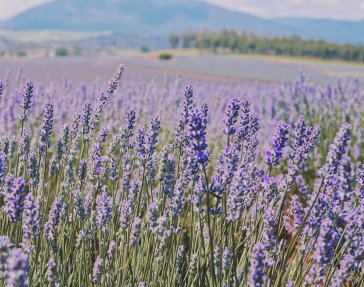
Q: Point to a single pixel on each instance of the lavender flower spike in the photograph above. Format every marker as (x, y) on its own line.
(47, 127)
(14, 197)
(279, 140)
(256, 270)
(103, 210)
(52, 273)
(17, 269)
(232, 114)
(27, 99)
(197, 132)
(30, 218)
(97, 271)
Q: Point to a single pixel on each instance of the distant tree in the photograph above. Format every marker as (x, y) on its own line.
(165, 56)
(174, 40)
(21, 53)
(62, 52)
(242, 42)
(144, 49)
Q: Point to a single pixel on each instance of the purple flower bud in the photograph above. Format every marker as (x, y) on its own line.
(52, 273)
(126, 211)
(227, 260)
(82, 172)
(50, 227)
(97, 271)
(342, 274)
(86, 118)
(30, 218)
(27, 99)
(197, 132)
(1, 88)
(180, 258)
(231, 117)
(47, 127)
(135, 231)
(337, 150)
(279, 140)
(103, 211)
(256, 270)
(17, 269)
(14, 197)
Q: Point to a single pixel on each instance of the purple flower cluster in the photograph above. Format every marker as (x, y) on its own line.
(14, 197)
(279, 140)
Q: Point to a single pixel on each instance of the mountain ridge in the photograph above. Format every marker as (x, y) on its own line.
(162, 17)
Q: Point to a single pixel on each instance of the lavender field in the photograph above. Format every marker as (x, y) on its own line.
(146, 180)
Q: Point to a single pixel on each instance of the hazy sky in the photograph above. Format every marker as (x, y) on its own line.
(335, 9)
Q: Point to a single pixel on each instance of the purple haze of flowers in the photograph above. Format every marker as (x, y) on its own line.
(27, 99)
(231, 117)
(17, 269)
(30, 218)
(103, 210)
(14, 197)
(97, 271)
(197, 132)
(279, 140)
(256, 270)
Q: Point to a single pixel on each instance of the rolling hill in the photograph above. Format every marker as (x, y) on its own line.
(156, 17)
(162, 17)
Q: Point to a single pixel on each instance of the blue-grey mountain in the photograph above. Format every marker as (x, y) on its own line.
(162, 17)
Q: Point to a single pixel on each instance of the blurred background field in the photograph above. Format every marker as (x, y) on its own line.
(190, 64)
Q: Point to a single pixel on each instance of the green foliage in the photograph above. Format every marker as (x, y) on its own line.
(20, 53)
(165, 56)
(144, 49)
(246, 43)
(62, 52)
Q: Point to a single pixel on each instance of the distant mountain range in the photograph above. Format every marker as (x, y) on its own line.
(162, 17)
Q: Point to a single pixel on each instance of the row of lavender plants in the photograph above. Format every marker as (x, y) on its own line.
(100, 198)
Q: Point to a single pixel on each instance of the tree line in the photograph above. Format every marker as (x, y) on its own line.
(246, 43)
